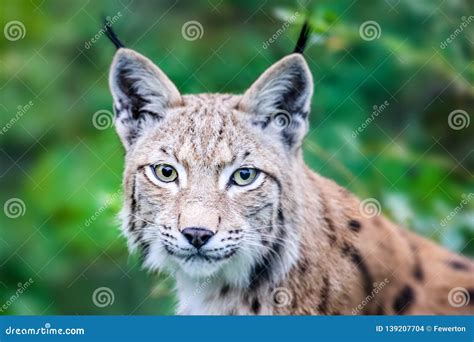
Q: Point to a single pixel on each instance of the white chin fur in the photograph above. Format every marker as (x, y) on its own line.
(159, 259)
(234, 270)
(199, 268)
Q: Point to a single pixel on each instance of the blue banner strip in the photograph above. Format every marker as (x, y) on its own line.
(245, 329)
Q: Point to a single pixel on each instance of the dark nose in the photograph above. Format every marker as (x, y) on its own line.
(197, 236)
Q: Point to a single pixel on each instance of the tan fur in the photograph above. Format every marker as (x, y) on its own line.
(295, 243)
(391, 253)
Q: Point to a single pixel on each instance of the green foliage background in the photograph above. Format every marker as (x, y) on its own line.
(67, 171)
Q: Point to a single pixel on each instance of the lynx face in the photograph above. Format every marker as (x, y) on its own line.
(210, 178)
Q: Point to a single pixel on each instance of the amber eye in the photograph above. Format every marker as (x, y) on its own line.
(244, 176)
(165, 173)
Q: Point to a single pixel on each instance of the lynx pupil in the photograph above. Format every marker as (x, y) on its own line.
(245, 174)
(167, 171)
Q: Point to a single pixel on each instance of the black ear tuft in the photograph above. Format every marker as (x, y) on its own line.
(303, 38)
(111, 34)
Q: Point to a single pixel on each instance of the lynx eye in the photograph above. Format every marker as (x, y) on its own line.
(244, 176)
(165, 173)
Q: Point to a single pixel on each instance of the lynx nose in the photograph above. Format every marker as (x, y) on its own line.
(197, 237)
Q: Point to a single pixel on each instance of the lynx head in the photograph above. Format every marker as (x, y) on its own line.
(210, 178)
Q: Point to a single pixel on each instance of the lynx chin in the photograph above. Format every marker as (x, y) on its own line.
(217, 194)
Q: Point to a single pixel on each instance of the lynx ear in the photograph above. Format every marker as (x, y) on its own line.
(281, 99)
(142, 93)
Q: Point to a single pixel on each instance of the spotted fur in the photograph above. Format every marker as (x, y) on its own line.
(292, 242)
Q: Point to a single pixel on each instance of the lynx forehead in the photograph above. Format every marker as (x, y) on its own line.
(218, 194)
